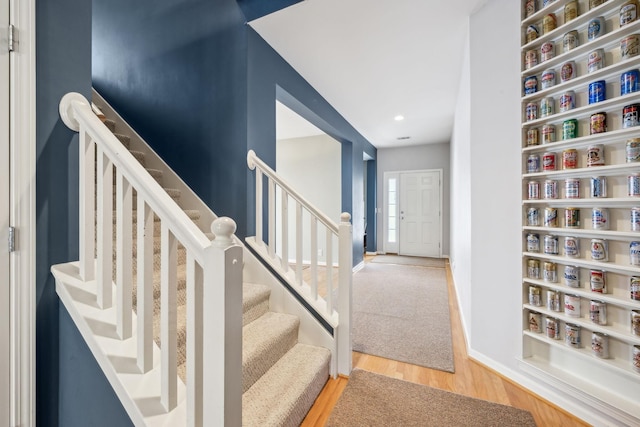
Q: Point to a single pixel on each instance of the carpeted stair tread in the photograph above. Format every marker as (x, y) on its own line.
(172, 192)
(284, 395)
(252, 294)
(181, 284)
(264, 342)
(156, 174)
(181, 334)
(124, 139)
(110, 124)
(255, 302)
(193, 214)
(139, 155)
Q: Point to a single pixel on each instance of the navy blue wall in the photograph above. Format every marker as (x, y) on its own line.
(254, 9)
(371, 227)
(200, 86)
(63, 48)
(270, 77)
(176, 71)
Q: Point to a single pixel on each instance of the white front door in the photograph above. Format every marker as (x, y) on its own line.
(420, 219)
(5, 339)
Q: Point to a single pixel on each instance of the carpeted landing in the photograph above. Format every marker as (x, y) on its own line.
(375, 400)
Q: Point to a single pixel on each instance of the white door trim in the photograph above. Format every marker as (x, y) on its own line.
(23, 211)
(5, 300)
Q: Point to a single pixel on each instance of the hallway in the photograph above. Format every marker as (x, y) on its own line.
(470, 379)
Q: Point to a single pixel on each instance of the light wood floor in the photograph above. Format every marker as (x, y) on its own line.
(470, 379)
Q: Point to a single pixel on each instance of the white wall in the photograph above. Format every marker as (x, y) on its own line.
(486, 236)
(495, 170)
(460, 236)
(421, 157)
(312, 166)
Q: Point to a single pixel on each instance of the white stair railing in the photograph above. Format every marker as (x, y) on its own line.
(333, 302)
(214, 273)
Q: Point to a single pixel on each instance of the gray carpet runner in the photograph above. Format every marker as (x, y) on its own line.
(281, 378)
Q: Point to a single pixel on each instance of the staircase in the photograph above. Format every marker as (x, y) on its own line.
(281, 378)
(281, 374)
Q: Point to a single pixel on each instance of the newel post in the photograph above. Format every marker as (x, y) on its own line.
(222, 328)
(69, 110)
(345, 278)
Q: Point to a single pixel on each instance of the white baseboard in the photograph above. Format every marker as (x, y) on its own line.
(578, 403)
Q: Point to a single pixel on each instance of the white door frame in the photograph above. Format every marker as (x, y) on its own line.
(22, 203)
(5, 312)
(395, 248)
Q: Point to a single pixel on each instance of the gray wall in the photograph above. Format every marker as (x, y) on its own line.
(432, 156)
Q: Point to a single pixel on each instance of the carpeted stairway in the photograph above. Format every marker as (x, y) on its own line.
(281, 378)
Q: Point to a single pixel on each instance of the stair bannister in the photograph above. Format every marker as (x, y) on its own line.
(333, 304)
(214, 280)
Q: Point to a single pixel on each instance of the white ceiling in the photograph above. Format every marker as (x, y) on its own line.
(375, 59)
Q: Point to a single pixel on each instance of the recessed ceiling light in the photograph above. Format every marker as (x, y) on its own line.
(398, 117)
(400, 138)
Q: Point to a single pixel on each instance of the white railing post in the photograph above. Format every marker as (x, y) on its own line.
(104, 274)
(144, 279)
(345, 278)
(285, 232)
(299, 247)
(195, 340)
(87, 206)
(168, 317)
(271, 208)
(124, 264)
(314, 256)
(329, 271)
(222, 328)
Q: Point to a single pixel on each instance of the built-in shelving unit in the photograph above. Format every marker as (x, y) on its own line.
(613, 367)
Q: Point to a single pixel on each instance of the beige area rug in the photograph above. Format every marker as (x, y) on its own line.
(409, 260)
(375, 400)
(401, 312)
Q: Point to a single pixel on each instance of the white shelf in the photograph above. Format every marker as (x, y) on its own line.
(539, 14)
(619, 135)
(584, 322)
(606, 170)
(584, 112)
(627, 304)
(606, 41)
(543, 357)
(610, 73)
(578, 23)
(625, 236)
(605, 202)
(587, 263)
(620, 365)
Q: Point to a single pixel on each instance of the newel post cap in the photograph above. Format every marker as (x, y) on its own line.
(66, 109)
(223, 228)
